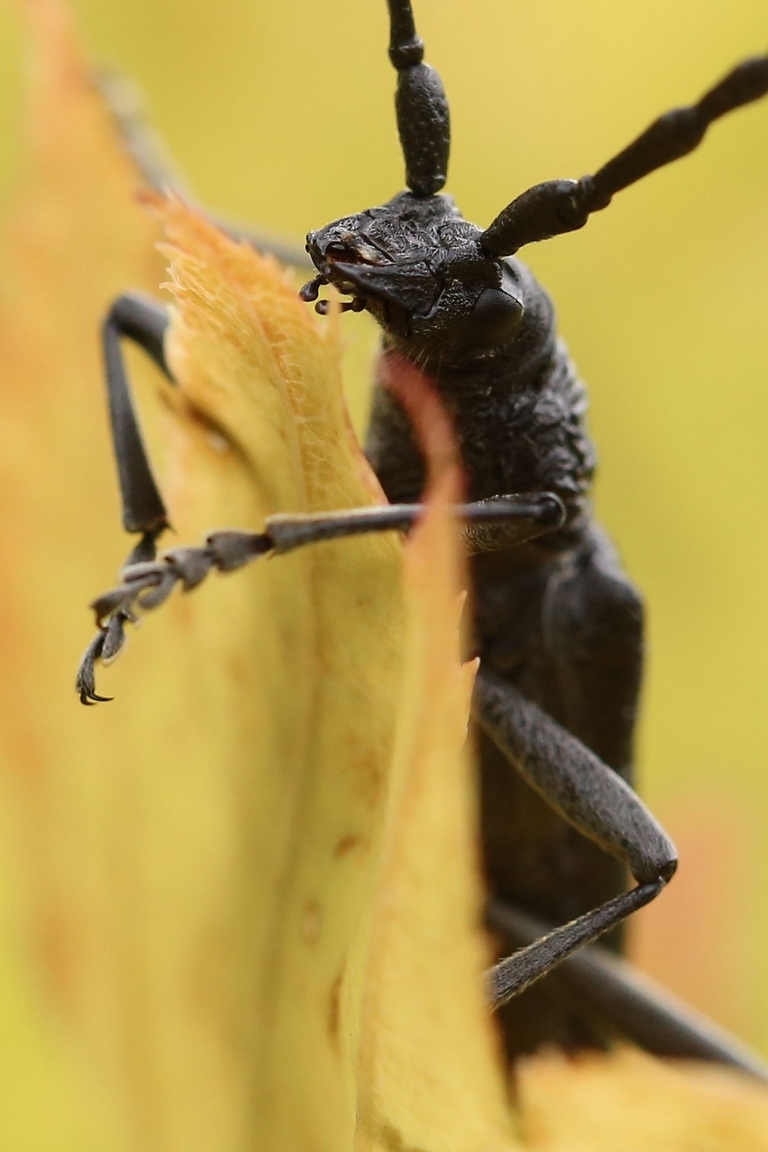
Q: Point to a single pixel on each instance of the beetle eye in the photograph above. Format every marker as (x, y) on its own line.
(495, 317)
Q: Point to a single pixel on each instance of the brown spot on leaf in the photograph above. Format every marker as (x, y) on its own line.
(368, 782)
(311, 922)
(56, 940)
(346, 845)
(334, 1010)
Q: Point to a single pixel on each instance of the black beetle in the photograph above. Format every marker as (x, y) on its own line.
(557, 625)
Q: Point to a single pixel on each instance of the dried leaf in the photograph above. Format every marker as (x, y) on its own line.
(633, 1102)
(243, 900)
(321, 671)
(428, 1071)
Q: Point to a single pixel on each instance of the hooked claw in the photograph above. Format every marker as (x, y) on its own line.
(148, 584)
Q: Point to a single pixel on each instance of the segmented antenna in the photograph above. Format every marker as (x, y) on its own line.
(560, 206)
(423, 121)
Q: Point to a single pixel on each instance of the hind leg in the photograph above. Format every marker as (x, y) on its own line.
(592, 632)
(567, 632)
(586, 669)
(629, 1002)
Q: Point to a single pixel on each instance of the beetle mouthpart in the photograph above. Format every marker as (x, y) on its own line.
(311, 290)
(323, 307)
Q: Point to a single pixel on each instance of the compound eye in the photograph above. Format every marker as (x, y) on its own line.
(495, 317)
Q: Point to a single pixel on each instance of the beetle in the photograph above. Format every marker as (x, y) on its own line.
(557, 624)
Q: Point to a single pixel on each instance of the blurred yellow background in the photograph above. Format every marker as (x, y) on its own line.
(281, 114)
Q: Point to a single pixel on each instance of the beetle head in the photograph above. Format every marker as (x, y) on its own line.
(418, 268)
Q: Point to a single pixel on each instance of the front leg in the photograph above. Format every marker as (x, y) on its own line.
(594, 800)
(486, 524)
(144, 322)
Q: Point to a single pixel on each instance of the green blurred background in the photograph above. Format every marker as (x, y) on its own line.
(281, 114)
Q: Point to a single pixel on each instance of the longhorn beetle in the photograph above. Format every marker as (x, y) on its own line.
(557, 624)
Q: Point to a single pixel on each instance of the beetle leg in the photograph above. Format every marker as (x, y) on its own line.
(559, 206)
(591, 797)
(520, 518)
(487, 524)
(630, 1002)
(143, 321)
(147, 584)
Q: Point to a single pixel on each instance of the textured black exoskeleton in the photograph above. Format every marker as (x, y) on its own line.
(557, 624)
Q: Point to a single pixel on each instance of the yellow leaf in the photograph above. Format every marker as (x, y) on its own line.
(633, 1102)
(59, 515)
(320, 667)
(246, 893)
(428, 1071)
